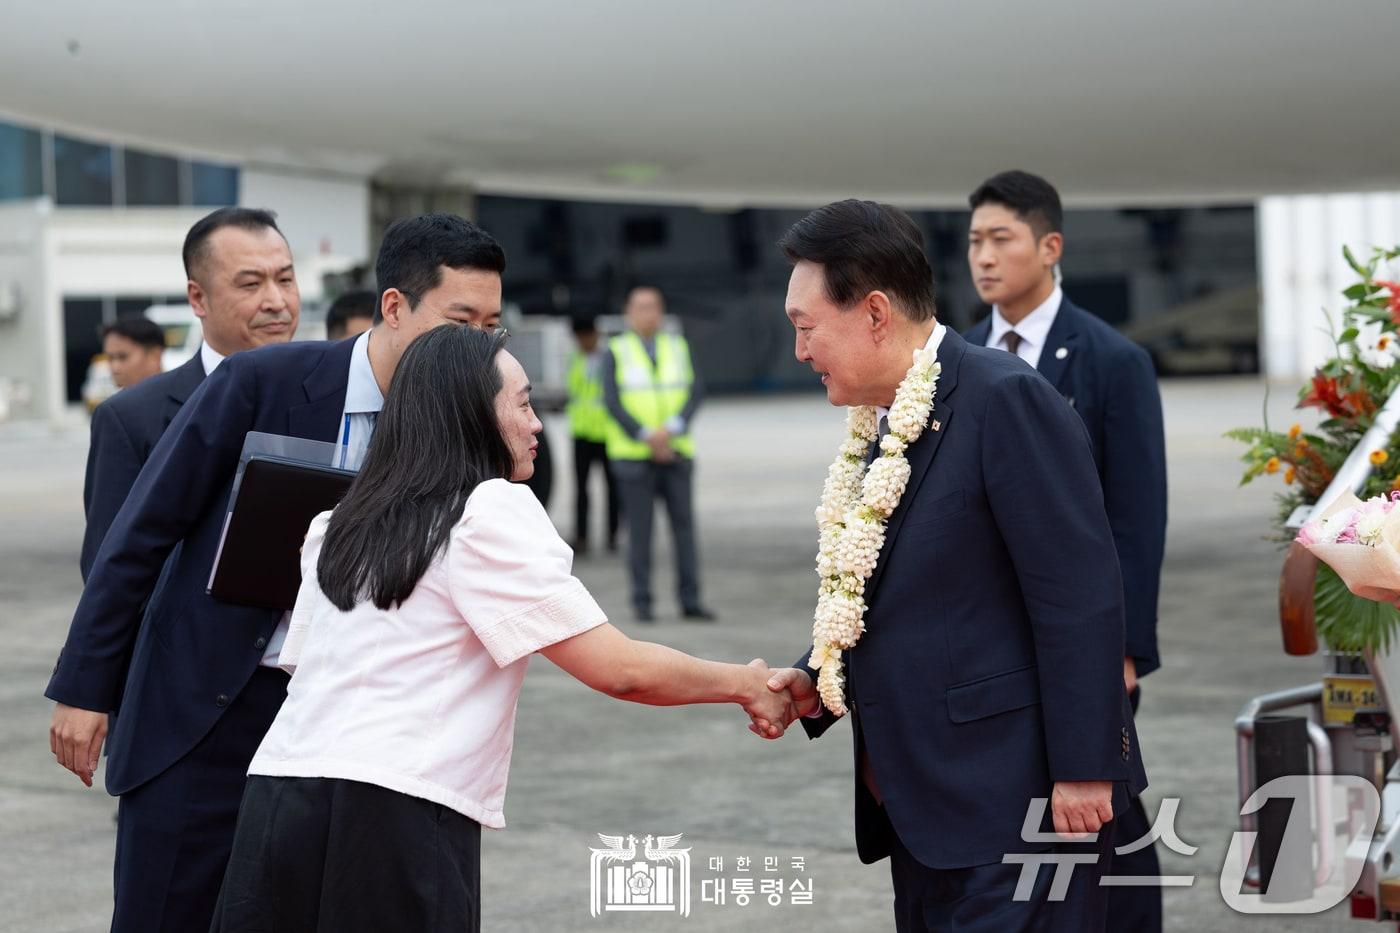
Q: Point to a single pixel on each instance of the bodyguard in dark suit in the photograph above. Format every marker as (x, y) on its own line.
(203, 685)
(241, 285)
(989, 673)
(1015, 243)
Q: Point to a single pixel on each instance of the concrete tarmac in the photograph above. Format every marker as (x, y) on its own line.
(585, 764)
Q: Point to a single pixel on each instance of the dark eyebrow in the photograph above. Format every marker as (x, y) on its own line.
(259, 272)
(526, 390)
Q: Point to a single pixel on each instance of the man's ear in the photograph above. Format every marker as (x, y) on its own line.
(878, 311)
(1052, 246)
(393, 305)
(198, 301)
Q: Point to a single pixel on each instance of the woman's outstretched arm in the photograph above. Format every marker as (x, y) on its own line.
(642, 672)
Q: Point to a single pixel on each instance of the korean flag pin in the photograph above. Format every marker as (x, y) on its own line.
(1061, 353)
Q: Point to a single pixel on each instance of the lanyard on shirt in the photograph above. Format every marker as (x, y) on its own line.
(345, 441)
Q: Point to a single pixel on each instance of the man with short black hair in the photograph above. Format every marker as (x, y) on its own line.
(351, 314)
(977, 659)
(204, 684)
(133, 346)
(241, 285)
(1014, 245)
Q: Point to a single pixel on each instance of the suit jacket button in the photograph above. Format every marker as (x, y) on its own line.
(221, 700)
(1125, 755)
(260, 644)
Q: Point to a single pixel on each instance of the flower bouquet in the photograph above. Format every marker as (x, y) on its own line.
(1347, 391)
(1361, 542)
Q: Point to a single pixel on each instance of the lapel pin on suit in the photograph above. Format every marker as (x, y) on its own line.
(1061, 353)
(936, 424)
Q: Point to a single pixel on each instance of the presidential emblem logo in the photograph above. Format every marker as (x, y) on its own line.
(658, 880)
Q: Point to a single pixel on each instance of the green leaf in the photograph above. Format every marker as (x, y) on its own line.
(1358, 291)
(1347, 622)
(1360, 270)
(1348, 335)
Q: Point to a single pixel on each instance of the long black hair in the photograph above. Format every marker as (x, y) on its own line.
(436, 439)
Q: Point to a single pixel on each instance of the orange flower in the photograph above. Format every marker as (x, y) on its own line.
(1378, 457)
(1394, 288)
(1301, 450)
(1271, 466)
(1294, 431)
(1289, 475)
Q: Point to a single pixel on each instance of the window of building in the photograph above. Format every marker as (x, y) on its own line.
(213, 185)
(82, 172)
(151, 180)
(21, 163)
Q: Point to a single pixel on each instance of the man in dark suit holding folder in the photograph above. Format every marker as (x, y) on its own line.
(203, 685)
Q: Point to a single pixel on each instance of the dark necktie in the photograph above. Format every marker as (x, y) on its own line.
(875, 448)
(1012, 341)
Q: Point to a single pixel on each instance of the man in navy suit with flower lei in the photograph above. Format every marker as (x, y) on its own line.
(970, 614)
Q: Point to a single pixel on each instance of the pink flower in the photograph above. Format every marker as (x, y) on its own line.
(1307, 535)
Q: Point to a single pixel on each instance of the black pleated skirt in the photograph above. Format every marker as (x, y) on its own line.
(336, 856)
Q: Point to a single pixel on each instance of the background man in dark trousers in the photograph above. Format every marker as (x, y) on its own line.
(203, 684)
(588, 423)
(1014, 245)
(652, 394)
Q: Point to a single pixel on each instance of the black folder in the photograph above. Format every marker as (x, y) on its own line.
(259, 557)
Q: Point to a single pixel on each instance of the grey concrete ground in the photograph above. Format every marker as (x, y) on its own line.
(585, 764)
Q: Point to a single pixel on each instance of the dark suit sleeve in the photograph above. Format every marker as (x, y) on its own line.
(1044, 495)
(112, 467)
(814, 726)
(186, 470)
(612, 399)
(1135, 495)
(697, 395)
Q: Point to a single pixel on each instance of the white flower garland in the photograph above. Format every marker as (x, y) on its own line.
(856, 504)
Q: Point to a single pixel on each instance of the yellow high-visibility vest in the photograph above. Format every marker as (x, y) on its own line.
(588, 416)
(653, 394)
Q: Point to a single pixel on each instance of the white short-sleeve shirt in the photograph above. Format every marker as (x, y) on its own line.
(420, 698)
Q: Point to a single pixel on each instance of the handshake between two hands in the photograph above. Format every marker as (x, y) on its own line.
(776, 698)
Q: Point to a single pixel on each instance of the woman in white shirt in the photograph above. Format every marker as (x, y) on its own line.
(423, 595)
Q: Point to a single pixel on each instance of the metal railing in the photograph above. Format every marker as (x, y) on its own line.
(1308, 695)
